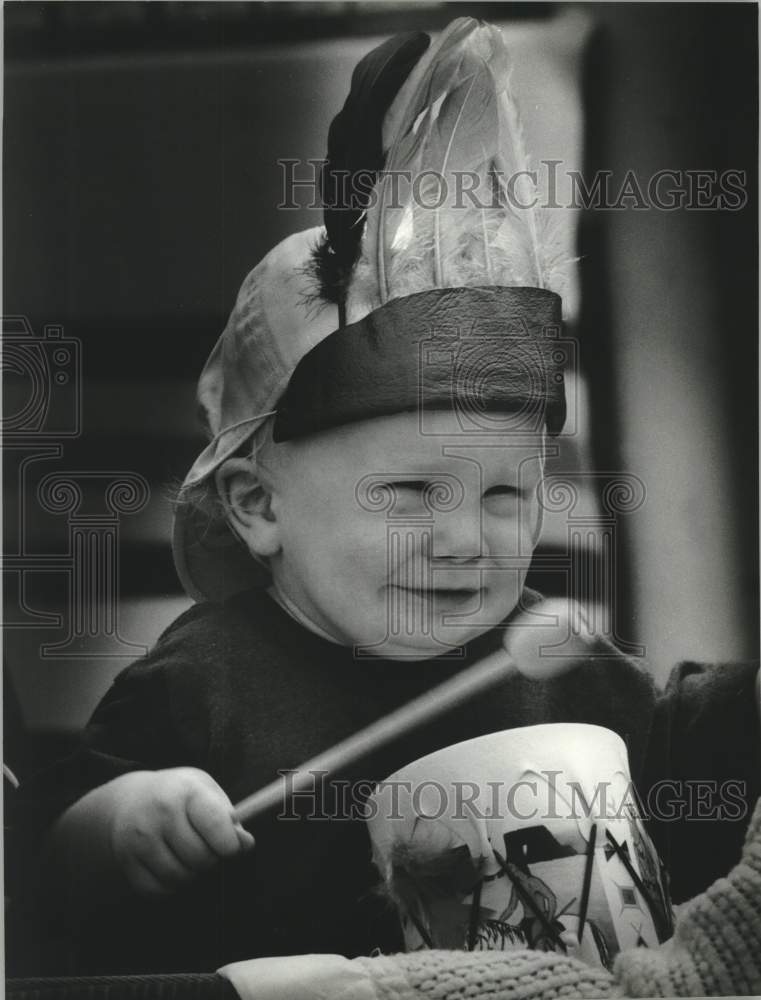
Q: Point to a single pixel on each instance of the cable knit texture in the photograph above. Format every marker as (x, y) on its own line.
(485, 975)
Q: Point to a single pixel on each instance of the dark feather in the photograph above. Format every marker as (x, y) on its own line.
(420, 871)
(355, 156)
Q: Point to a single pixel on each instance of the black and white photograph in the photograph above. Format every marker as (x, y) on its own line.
(380, 498)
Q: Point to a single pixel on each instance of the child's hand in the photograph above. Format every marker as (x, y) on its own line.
(168, 826)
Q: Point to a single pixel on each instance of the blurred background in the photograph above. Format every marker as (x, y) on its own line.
(141, 183)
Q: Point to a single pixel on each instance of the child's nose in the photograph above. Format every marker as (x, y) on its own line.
(458, 533)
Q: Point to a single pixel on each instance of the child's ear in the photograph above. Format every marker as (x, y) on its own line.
(247, 498)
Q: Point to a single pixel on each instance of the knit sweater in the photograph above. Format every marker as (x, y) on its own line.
(715, 951)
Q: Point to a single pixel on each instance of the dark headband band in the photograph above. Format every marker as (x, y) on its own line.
(477, 351)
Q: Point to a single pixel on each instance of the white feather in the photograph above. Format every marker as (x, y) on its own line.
(460, 120)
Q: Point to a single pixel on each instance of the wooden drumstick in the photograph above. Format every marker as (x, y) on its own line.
(521, 652)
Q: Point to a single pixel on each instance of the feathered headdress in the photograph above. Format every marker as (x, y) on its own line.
(432, 228)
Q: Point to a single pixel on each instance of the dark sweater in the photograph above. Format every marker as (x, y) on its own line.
(242, 691)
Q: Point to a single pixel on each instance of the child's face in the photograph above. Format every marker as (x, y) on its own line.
(403, 541)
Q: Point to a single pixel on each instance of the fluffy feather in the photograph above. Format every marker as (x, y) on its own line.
(423, 230)
(419, 873)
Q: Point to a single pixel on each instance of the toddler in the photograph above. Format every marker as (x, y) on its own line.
(358, 530)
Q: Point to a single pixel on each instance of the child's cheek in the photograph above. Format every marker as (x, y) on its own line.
(368, 545)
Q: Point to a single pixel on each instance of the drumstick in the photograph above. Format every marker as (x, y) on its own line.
(525, 645)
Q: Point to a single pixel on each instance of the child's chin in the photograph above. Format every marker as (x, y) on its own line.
(413, 647)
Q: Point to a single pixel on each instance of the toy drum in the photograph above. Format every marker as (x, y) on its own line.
(527, 838)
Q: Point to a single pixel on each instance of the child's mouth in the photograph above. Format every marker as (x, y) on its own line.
(442, 598)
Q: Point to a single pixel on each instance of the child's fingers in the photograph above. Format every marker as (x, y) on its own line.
(157, 869)
(188, 845)
(143, 880)
(210, 813)
(245, 838)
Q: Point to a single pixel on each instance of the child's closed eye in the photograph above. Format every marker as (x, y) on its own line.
(503, 489)
(496, 499)
(413, 485)
(502, 499)
(410, 493)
